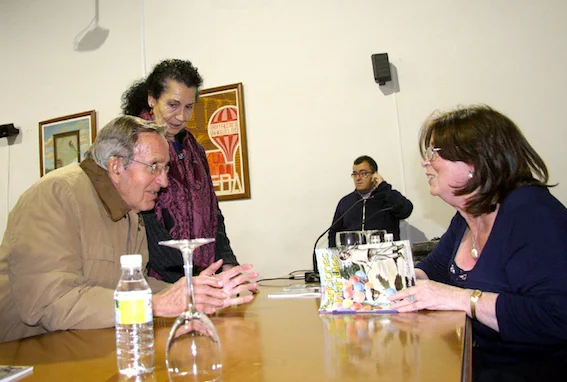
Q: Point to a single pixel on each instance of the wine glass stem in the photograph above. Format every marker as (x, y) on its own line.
(188, 260)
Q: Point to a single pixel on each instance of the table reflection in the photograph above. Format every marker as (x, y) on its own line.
(57, 347)
(389, 345)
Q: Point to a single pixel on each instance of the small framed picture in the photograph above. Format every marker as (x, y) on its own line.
(65, 140)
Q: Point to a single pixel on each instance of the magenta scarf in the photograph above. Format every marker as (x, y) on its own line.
(190, 198)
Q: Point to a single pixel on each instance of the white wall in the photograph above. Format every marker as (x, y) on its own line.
(311, 102)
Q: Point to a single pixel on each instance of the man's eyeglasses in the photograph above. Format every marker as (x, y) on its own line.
(155, 168)
(430, 152)
(362, 174)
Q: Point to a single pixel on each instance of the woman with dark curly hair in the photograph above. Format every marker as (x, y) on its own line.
(188, 208)
(503, 259)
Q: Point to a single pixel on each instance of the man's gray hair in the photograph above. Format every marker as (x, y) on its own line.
(118, 139)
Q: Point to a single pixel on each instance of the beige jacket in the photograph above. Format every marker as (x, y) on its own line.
(60, 257)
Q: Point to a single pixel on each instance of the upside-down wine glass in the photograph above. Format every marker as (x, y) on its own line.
(193, 349)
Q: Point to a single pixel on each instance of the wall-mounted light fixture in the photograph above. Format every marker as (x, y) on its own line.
(92, 37)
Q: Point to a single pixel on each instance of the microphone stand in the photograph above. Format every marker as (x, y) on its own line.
(391, 208)
(313, 277)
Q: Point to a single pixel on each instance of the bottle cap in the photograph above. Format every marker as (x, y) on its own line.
(131, 261)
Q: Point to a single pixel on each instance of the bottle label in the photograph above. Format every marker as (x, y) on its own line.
(133, 307)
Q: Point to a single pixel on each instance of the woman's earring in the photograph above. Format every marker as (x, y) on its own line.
(471, 173)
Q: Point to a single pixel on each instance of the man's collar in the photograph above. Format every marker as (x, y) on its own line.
(113, 203)
(368, 194)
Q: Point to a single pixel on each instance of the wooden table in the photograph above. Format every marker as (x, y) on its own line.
(277, 340)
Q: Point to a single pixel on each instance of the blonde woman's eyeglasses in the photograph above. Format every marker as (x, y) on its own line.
(430, 152)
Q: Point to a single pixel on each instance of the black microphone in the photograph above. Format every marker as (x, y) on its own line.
(314, 276)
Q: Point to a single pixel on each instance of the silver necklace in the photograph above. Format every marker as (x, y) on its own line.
(474, 251)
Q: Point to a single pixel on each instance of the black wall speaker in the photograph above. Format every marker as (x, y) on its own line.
(8, 130)
(381, 67)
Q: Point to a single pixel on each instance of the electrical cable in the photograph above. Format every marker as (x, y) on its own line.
(8, 184)
(143, 37)
(293, 273)
(290, 277)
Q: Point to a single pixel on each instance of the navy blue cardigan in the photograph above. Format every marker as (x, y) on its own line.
(525, 262)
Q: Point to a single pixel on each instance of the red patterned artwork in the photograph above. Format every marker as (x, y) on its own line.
(219, 125)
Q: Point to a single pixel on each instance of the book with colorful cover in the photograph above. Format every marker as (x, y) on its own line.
(359, 279)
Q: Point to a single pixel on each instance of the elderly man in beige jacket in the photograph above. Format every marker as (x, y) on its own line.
(59, 259)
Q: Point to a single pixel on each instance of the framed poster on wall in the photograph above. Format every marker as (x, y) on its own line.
(219, 125)
(65, 140)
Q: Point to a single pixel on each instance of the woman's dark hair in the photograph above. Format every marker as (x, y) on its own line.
(135, 99)
(481, 136)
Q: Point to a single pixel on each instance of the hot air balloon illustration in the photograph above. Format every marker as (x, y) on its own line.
(223, 131)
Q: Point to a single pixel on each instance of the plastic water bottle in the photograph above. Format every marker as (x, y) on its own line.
(134, 320)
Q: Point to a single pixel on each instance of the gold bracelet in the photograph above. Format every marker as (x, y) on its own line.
(474, 299)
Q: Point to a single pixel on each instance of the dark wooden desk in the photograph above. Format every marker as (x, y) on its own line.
(276, 340)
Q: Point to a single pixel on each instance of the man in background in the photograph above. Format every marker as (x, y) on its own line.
(367, 203)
